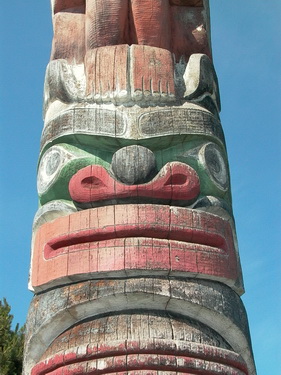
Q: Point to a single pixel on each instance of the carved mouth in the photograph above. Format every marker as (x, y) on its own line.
(134, 240)
(207, 231)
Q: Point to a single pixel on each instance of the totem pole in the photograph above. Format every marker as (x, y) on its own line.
(134, 266)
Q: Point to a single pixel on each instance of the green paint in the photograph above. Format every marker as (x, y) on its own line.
(58, 189)
(95, 143)
(187, 153)
(92, 150)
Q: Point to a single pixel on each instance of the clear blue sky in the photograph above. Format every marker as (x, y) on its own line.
(247, 49)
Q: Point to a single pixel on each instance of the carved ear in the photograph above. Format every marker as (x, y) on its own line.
(201, 82)
(63, 83)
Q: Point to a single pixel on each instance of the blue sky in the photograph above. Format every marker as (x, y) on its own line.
(246, 47)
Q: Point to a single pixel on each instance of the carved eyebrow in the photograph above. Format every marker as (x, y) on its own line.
(75, 6)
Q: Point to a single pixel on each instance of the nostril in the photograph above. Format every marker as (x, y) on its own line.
(176, 179)
(92, 182)
(134, 165)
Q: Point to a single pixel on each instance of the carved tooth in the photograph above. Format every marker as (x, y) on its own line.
(123, 94)
(137, 95)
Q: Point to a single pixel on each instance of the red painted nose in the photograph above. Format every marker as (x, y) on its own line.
(175, 181)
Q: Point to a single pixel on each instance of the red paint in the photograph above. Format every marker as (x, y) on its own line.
(175, 181)
(106, 70)
(134, 239)
(63, 5)
(151, 19)
(156, 23)
(107, 25)
(151, 70)
(152, 354)
(81, 31)
(69, 37)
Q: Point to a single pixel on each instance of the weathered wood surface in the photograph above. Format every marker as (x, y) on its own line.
(206, 302)
(181, 29)
(135, 264)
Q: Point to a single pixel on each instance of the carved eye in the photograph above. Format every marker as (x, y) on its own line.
(49, 167)
(211, 158)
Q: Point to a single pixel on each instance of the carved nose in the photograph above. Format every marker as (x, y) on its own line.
(134, 165)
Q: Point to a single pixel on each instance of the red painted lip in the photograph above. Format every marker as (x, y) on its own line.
(134, 239)
(149, 221)
(175, 181)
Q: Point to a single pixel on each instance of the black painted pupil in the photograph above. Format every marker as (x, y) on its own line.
(214, 163)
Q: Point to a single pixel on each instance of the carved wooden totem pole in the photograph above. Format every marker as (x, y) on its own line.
(135, 266)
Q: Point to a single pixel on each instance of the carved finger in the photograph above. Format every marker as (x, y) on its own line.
(106, 22)
(151, 20)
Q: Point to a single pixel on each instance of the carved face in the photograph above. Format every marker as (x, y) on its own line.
(135, 204)
(136, 168)
(131, 125)
(157, 187)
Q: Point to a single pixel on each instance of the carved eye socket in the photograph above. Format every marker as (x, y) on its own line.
(49, 167)
(211, 158)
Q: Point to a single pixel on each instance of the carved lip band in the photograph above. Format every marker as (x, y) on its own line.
(210, 232)
(148, 356)
(134, 239)
(175, 181)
